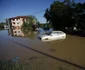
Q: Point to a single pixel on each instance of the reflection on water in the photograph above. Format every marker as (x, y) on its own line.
(16, 32)
(20, 33)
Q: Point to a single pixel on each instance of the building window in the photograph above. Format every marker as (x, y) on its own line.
(18, 31)
(17, 22)
(23, 20)
(13, 22)
(17, 19)
(15, 31)
(13, 19)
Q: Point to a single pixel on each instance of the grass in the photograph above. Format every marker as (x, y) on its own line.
(9, 65)
(35, 63)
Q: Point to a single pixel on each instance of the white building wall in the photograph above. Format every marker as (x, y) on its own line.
(17, 22)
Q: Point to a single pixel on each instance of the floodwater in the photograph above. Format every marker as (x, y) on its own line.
(68, 54)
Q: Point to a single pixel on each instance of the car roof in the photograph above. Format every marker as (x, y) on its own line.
(58, 32)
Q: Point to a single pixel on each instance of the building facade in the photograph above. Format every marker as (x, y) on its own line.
(16, 22)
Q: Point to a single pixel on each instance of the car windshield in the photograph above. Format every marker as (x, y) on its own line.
(57, 32)
(48, 33)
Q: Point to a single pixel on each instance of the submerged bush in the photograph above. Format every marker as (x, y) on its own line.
(9, 65)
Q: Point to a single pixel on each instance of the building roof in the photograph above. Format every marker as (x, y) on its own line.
(17, 17)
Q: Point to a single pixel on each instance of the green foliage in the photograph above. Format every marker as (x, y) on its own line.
(79, 15)
(25, 27)
(28, 24)
(65, 14)
(31, 20)
(38, 23)
(42, 25)
(9, 65)
(2, 25)
(57, 14)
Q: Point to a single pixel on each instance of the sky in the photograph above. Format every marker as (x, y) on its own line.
(12, 8)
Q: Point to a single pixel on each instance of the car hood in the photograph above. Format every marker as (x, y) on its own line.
(44, 35)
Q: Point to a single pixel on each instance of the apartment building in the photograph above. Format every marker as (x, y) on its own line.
(16, 22)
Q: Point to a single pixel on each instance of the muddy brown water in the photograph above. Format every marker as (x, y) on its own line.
(71, 49)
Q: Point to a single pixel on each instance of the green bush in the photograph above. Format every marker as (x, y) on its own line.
(1, 26)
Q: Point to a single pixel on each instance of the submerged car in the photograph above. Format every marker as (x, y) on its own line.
(52, 36)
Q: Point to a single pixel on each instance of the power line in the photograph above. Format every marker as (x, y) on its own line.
(38, 12)
(41, 10)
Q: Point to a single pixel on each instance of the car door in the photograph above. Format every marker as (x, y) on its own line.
(53, 37)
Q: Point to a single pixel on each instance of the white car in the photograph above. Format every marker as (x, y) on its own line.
(52, 36)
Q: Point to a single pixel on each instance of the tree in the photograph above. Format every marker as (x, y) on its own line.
(65, 14)
(79, 15)
(47, 15)
(59, 15)
(28, 24)
(67, 2)
(38, 24)
(2, 25)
